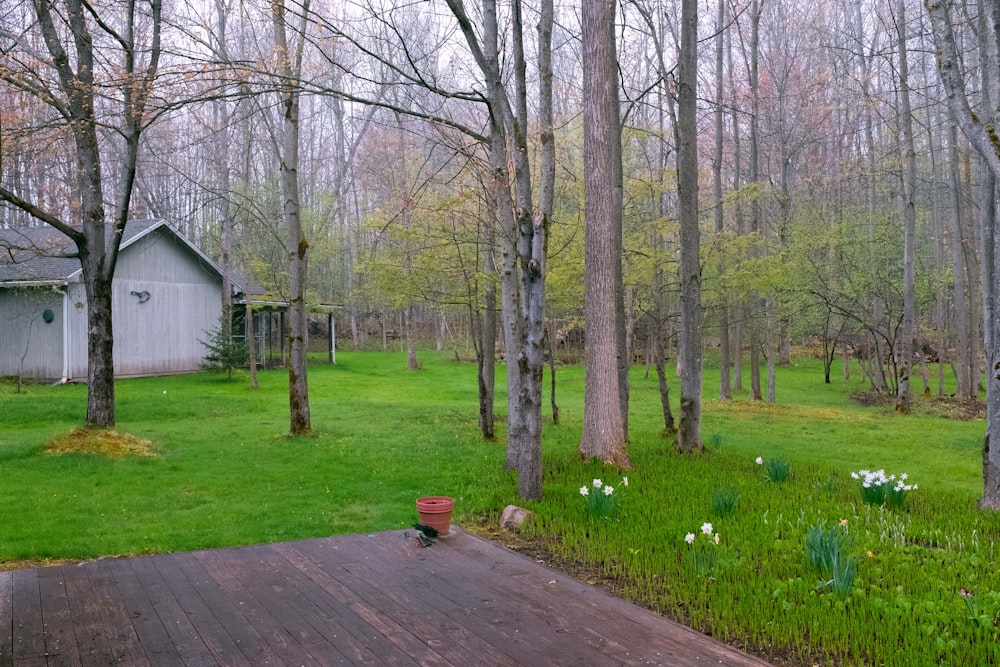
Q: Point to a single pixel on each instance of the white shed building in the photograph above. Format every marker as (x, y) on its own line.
(166, 296)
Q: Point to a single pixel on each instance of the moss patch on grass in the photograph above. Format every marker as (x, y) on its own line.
(106, 442)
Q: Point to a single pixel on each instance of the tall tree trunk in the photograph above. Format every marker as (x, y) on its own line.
(405, 215)
(725, 386)
(603, 434)
(904, 358)
(978, 129)
(222, 119)
(963, 381)
(669, 427)
(937, 233)
(753, 315)
(487, 353)
(525, 241)
(533, 231)
(100, 351)
(689, 423)
(972, 242)
(771, 347)
(739, 312)
(290, 67)
(411, 338)
(546, 139)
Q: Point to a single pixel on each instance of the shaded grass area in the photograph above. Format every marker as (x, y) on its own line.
(225, 473)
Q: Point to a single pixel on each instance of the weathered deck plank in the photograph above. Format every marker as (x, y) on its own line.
(60, 637)
(6, 618)
(375, 600)
(29, 644)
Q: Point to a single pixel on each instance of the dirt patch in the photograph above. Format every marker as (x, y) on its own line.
(952, 408)
(872, 399)
(946, 407)
(106, 442)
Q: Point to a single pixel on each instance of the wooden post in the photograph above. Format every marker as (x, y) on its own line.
(333, 338)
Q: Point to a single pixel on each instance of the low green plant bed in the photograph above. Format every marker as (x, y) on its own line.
(923, 589)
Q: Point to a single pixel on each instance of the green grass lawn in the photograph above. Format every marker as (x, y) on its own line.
(225, 474)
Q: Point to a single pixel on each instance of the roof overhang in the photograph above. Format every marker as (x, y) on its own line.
(17, 284)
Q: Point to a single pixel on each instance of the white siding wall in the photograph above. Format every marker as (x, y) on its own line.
(24, 333)
(77, 329)
(158, 336)
(163, 333)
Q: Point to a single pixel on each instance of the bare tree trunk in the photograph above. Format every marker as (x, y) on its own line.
(904, 358)
(603, 434)
(961, 299)
(669, 427)
(501, 121)
(100, 351)
(937, 233)
(771, 348)
(972, 243)
(525, 241)
(552, 377)
(411, 339)
(725, 387)
(222, 174)
(290, 66)
(739, 311)
(689, 424)
(755, 209)
(487, 353)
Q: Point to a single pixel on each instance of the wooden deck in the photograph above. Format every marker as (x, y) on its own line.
(376, 599)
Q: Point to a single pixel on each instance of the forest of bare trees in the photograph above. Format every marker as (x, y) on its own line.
(428, 163)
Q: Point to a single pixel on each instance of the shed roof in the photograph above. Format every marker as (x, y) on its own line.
(45, 256)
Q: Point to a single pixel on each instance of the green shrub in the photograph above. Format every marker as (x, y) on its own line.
(223, 353)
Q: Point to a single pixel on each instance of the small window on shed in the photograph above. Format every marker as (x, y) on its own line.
(48, 316)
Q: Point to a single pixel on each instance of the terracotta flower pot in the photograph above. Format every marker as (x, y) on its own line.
(435, 511)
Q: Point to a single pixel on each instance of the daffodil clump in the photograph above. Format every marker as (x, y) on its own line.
(777, 469)
(703, 547)
(828, 550)
(602, 500)
(878, 489)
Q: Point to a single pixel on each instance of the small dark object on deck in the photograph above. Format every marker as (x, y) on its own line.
(420, 537)
(429, 531)
(425, 534)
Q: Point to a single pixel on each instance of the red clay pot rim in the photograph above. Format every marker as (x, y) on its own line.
(436, 502)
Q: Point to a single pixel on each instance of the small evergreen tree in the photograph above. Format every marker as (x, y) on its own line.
(225, 353)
